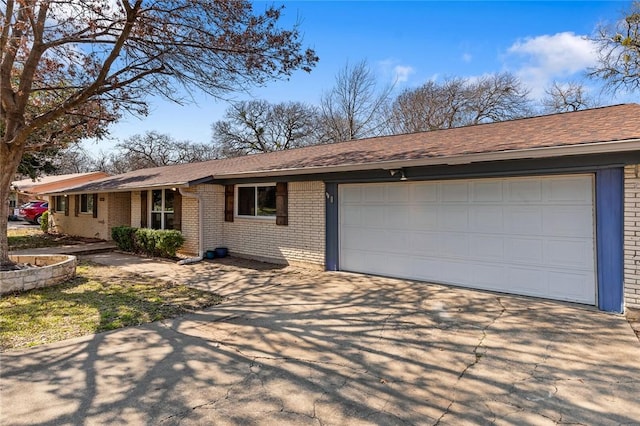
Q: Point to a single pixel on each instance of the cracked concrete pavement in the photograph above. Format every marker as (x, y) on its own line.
(292, 346)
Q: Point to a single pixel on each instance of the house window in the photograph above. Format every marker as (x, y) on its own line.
(256, 200)
(86, 203)
(61, 203)
(162, 208)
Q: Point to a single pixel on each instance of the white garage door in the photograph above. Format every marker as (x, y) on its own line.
(531, 236)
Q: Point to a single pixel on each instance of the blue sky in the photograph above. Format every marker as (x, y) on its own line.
(411, 43)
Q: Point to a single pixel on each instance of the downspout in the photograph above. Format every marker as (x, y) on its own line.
(200, 228)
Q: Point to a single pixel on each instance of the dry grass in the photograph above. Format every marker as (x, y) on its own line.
(26, 238)
(100, 298)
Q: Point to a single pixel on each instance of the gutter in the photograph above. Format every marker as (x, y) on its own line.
(200, 228)
(554, 151)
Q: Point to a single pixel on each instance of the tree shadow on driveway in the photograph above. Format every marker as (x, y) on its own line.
(289, 346)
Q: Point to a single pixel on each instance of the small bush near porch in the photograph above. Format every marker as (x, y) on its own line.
(150, 242)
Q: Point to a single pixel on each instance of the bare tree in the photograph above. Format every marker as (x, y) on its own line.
(259, 126)
(154, 149)
(71, 64)
(496, 97)
(74, 159)
(567, 97)
(429, 107)
(355, 107)
(459, 102)
(619, 52)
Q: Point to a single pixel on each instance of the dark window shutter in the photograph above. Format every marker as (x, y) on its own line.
(143, 209)
(53, 204)
(282, 204)
(76, 206)
(95, 205)
(228, 203)
(66, 206)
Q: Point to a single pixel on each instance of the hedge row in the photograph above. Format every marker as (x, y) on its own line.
(151, 242)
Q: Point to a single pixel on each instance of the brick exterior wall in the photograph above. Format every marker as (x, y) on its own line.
(114, 209)
(135, 209)
(83, 225)
(301, 242)
(632, 236)
(119, 213)
(190, 220)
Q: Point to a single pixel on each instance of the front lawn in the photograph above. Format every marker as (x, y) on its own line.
(100, 298)
(20, 239)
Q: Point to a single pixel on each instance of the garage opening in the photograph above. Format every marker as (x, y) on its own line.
(531, 236)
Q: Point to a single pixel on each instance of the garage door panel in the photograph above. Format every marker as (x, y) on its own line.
(531, 236)
(399, 194)
(487, 275)
(350, 215)
(455, 192)
(454, 245)
(569, 286)
(453, 217)
(424, 243)
(486, 247)
(568, 189)
(567, 221)
(521, 220)
(372, 217)
(486, 218)
(524, 250)
(351, 194)
(423, 217)
(440, 270)
(524, 191)
(397, 218)
(491, 191)
(373, 194)
(574, 253)
(527, 281)
(423, 192)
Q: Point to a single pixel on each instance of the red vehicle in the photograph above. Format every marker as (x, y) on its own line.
(32, 211)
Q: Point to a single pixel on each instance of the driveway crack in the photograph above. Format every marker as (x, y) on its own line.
(477, 357)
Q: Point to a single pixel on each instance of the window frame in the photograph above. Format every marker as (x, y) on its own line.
(58, 204)
(89, 208)
(163, 209)
(236, 201)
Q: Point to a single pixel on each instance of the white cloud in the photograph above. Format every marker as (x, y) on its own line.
(394, 71)
(466, 57)
(402, 73)
(540, 60)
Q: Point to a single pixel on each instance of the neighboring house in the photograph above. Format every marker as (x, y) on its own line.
(26, 190)
(546, 206)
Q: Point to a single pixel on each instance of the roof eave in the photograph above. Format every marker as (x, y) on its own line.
(627, 145)
(73, 191)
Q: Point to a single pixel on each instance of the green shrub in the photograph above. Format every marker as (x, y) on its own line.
(44, 222)
(146, 241)
(150, 242)
(123, 236)
(168, 242)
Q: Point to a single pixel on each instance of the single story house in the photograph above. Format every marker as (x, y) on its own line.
(547, 206)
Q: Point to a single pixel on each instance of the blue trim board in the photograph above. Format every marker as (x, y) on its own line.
(331, 259)
(610, 238)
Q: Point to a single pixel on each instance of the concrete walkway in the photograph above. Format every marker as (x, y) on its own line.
(290, 346)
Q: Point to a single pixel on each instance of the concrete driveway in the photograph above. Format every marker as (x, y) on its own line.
(290, 346)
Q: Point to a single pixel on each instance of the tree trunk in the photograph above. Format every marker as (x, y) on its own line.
(10, 156)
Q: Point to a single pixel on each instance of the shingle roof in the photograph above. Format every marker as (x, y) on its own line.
(596, 127)
(44, 184)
